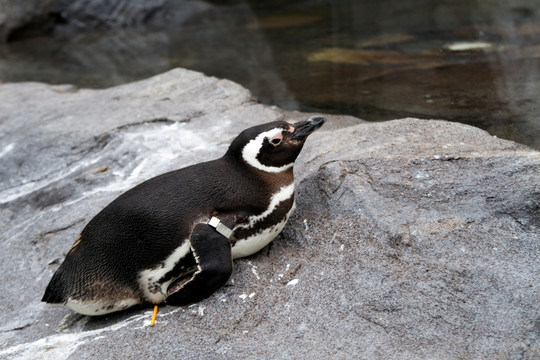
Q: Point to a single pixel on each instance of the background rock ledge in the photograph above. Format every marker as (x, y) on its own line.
(412, 239)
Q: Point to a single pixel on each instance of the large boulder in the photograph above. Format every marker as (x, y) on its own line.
(411, 239)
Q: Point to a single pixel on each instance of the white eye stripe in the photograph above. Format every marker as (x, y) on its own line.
(252, 149)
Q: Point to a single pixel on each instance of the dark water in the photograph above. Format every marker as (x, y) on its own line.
(476, 62)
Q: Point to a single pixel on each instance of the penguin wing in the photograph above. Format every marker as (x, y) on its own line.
(212, 252)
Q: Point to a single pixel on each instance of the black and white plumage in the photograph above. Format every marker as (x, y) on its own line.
(153, 244)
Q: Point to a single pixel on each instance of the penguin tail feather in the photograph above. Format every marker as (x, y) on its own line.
(54, 293)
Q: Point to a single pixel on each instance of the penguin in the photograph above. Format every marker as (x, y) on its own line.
(173, 238)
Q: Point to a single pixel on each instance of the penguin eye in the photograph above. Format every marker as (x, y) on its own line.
(276, 139)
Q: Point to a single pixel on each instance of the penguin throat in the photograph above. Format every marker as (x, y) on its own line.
(251, 151)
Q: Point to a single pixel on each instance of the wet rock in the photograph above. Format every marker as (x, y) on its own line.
(411, 239)
(24, 18)
(19, 14)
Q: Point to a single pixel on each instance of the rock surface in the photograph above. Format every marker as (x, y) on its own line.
(412, 239)
(23, 18)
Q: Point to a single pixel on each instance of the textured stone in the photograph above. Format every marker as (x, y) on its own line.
(23, 18)
(412, 239)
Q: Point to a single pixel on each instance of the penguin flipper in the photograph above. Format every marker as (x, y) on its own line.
(212, 252)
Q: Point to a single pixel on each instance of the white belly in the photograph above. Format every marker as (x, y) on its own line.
(256, 242)
(100, 307)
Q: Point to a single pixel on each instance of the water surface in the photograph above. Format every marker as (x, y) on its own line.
(475, 62)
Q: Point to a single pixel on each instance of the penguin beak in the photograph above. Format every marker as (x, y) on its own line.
(303, 129)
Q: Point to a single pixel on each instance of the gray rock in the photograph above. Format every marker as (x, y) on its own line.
(412, 239)
(17, 15)
(23, 18)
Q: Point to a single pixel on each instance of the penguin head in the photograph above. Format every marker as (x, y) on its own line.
(273, 147)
